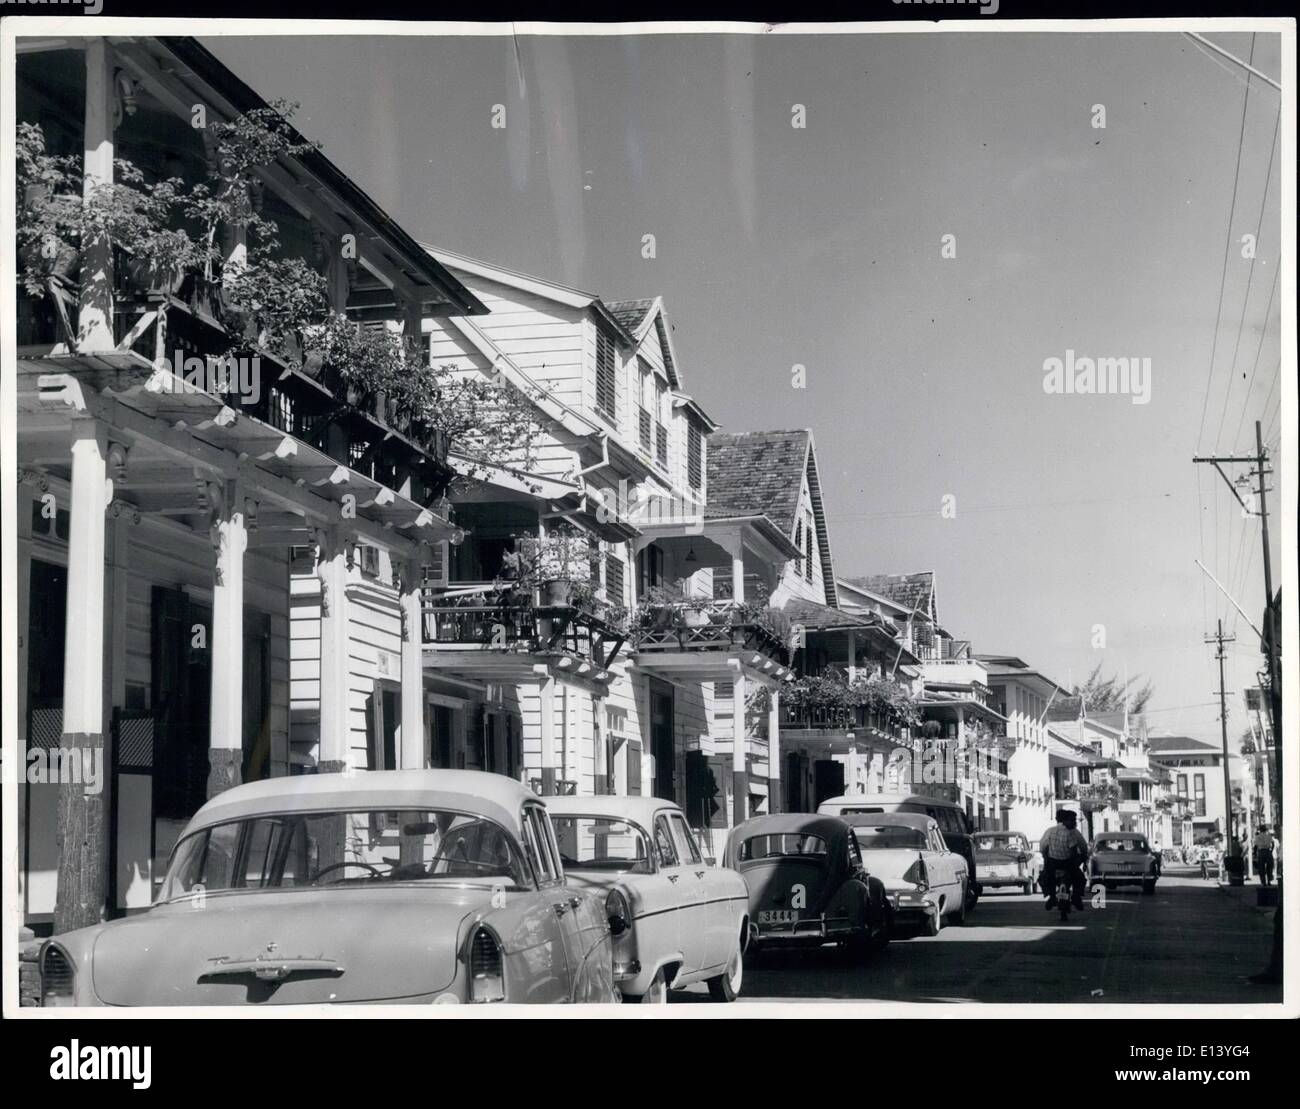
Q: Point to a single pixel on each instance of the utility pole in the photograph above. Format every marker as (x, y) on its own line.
(1272, 638)
(1221, 654)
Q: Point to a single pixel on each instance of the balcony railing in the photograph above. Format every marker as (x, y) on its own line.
(840, 719)
(181, 327)
(513, 622)
(705, 626)
(1099, 793)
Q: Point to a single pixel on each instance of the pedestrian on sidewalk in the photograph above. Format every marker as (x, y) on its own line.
(1264, 846)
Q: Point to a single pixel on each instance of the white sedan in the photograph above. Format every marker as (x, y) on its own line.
(922, 876)
(674, 918)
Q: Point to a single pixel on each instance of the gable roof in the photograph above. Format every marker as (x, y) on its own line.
(912, 591)
(630, 313)
(637, 317)
(763, 471)
(538, 286)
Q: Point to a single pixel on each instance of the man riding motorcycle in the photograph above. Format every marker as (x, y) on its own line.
(1063, 848)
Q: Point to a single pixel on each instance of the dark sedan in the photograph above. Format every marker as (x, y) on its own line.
(807, 884)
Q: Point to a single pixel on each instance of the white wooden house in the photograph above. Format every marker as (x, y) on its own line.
(156, 517)
(624, 459)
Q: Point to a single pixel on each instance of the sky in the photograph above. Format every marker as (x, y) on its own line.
(1062, 528)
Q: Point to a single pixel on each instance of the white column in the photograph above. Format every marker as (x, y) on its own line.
(546, 714)
(774, 752)
(82, 883)
(226, 713)
(738, 573)
(739, 777)
(412, 724)
(332, 569)
(95, 317)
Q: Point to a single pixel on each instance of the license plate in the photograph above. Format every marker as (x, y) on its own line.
(778, 916)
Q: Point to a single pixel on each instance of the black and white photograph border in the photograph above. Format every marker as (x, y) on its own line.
(476, 496)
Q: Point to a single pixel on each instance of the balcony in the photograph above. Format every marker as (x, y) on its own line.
(1098, 795)
(502, 634)
(705, 640)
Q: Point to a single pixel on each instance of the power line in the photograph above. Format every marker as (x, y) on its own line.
(1250, 280)
(1227, 248)
(1268, 316)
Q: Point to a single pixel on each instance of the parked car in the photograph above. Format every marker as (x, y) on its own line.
(1004, 859)
(950, 816)
(807, 884)
(674, 918)
(1124, 858)
(925, 880)
(402, 886)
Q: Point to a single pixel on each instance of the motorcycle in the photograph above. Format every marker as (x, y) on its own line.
(1064, 892)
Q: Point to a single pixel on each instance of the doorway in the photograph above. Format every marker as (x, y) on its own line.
(661, 738)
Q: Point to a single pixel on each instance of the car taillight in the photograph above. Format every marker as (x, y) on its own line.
(916, 874)
(57, 977)
(487, 978)
(619, 913)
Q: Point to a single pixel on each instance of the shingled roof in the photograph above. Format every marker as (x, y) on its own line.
(762, 472)
(630, 313)
(915, 591)
(1160, 744)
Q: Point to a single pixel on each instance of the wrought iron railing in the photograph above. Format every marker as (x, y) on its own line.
(511, 621)
(705, 626)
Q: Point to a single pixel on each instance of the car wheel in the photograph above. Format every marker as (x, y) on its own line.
(726, 987)
(959, 917)
(657, 992)
(933, 922)
(1028, 887)
(885, 932)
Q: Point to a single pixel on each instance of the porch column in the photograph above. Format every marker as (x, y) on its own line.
(546, 719)
(738, 573)
(95, 315)
(739, 775)
(226, 714)
(332, 569)
(774, 752)
(411, 601)
(82, 883)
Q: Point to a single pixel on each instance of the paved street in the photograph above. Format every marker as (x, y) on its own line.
(1189, 942)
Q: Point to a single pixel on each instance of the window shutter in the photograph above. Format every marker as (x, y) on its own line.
(695, 456)
(643, 426)
(606, 391)
(613, 579)
(634, 768)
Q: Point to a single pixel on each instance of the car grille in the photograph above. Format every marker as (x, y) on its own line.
(484, 956)
(56, 973)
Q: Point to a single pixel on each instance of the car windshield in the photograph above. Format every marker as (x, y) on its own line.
(345, 847)
(602, 843)
(885, 836)
(782, 846)
(1121, 845)
(998, 843)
